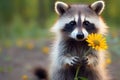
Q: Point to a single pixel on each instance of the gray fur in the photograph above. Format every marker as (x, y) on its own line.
(75, 48)
(66, 50)
(79, 8)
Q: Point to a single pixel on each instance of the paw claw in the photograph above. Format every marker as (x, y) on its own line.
(73, 60)
(85, 60)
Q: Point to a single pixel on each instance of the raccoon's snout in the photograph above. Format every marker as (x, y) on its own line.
(80, 36)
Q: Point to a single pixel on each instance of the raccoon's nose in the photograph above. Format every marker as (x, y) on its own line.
(80, 36)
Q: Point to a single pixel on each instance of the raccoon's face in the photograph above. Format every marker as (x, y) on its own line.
(78, 20)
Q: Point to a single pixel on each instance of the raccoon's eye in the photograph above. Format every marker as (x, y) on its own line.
(70, 26)
(72, 23)
(86, 23)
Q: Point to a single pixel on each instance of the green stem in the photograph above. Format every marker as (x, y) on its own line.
(78, 68)
(88, 51)
(77, 71)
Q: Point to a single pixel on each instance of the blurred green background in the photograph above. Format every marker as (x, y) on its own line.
(30, 18)
(24, 33)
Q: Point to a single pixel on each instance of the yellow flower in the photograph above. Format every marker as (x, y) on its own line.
(24, 77)
(30, 46)
(45, 50)
(97, 41)
(108, 61)
(108, 58)
(19, 43)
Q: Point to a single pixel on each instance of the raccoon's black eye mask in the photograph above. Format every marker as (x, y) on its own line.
(90, 27)
(69, 27)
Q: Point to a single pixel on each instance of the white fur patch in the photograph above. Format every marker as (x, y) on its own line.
(85, 33)
(70, 60)
(76, 18)
(82, 18)
(60, 24)
(98, 22)
(93, 20)
(74, 33)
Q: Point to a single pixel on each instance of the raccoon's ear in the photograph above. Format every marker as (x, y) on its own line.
(98, 6)
(61, 7)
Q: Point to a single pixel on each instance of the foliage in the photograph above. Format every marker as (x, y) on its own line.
(41, 10)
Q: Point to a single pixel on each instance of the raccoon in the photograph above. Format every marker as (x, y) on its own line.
(75, 23)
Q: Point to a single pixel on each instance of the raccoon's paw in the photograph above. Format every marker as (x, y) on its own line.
(85, 61)
(73, 61)
(89, 60)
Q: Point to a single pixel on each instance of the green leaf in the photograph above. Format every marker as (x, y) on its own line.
(83, 78)
(1, 69)
(10, 68)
